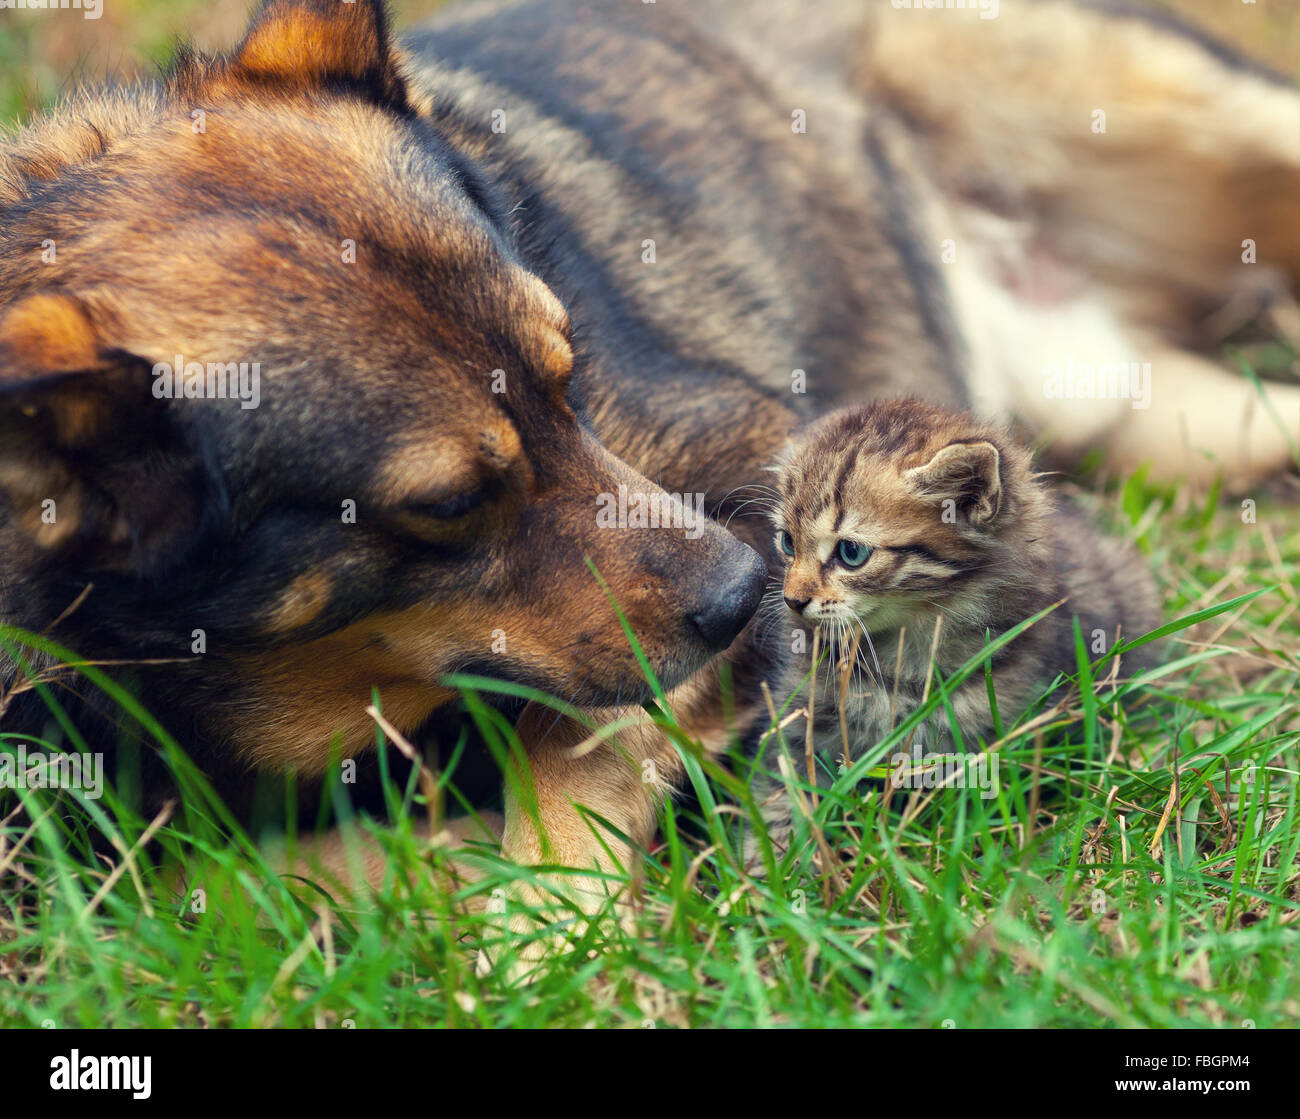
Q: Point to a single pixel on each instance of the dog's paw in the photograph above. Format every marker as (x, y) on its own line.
(529, 925)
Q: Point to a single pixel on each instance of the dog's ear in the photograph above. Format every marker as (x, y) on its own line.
(306, 46)
(968, 474)
(91, 463)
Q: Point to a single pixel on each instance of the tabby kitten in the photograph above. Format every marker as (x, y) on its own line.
(896, 514)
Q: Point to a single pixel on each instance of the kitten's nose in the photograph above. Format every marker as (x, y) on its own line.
(797, 604)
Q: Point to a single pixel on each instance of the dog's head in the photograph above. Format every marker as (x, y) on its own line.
(274, 380)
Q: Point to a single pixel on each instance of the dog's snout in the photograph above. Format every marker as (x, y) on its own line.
(728, 606)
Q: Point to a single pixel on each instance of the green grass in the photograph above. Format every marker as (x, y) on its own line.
(1138, 867)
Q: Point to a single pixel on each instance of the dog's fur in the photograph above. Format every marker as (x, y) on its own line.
(647, 253)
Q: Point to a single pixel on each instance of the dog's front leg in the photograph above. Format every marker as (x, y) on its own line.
(581, 804)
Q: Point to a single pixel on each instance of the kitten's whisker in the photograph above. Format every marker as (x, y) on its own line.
(766, 490)
(763, 500)
(871, 645)
(764, 508)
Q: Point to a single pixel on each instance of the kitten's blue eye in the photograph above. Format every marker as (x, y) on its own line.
(853, 554)
(787, 543)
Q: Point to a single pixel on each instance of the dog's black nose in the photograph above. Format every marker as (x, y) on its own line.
(796, 604)
(726, 609)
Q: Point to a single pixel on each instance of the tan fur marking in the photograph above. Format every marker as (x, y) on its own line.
(302, 602)
(435, 467)
(557, 360)
(303, 696)
(49, 334)
(300, 43)
(500, 446)
(55, 484)
(427, 469)
(544, 329)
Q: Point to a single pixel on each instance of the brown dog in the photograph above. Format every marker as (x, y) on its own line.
(417, 489)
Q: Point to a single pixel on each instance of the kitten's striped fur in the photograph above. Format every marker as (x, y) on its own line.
(960, 527)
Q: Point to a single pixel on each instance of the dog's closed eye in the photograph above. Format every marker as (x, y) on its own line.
(450, 508)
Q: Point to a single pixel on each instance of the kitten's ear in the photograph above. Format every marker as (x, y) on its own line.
(968, 474)
(782, 458)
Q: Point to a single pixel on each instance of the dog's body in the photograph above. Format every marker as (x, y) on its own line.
(559, 250)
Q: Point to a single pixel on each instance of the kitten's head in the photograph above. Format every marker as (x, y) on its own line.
(890, 511)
